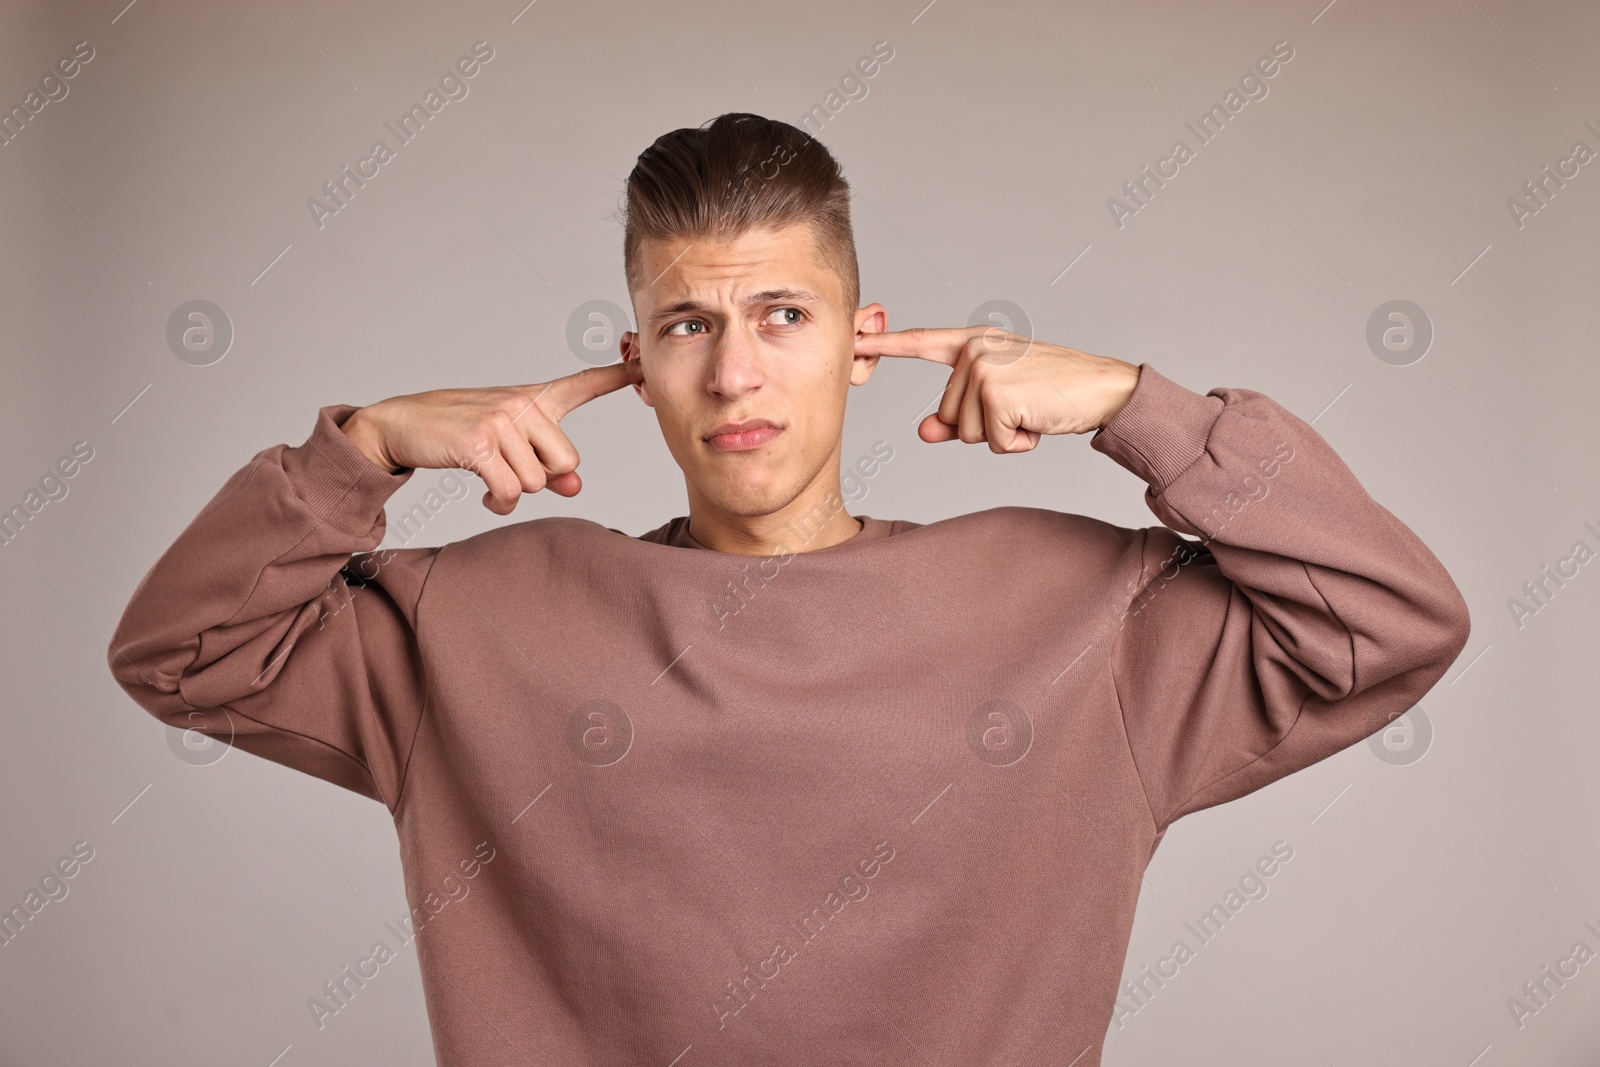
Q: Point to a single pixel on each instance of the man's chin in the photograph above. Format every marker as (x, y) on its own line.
(749, 507)
(747, 499)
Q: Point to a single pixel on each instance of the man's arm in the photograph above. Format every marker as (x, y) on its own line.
(245, 629)
(271, 625)
(1306, 618)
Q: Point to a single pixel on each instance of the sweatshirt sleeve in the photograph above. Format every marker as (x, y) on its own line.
(270, 625)
(1304, 619)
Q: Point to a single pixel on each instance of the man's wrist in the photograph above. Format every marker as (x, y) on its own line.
(1127, 381)
(361, 434)
(1163, 429)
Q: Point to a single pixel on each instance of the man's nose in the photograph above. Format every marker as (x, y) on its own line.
(736, 361)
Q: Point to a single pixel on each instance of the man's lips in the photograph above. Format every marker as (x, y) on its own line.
(740, 436)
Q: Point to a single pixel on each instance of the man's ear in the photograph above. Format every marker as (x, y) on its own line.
(629, 347)
(870, 319)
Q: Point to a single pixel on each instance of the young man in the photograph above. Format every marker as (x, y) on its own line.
(773, 783)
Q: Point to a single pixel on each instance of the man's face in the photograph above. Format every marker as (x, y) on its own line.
(751, 330)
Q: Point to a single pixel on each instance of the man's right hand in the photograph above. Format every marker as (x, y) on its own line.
(506, 435)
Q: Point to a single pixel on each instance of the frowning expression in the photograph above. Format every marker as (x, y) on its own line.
(748, 351)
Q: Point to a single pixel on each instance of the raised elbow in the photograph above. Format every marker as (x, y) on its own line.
(1446, 627)
(140, 674)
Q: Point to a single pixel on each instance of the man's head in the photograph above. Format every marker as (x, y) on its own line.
(742, 270)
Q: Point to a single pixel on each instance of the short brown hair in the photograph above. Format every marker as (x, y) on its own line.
(736, 173)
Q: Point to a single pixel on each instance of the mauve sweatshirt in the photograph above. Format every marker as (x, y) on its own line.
(893, 809)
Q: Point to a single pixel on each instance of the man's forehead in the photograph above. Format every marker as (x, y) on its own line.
(755, 267)
(694, 300)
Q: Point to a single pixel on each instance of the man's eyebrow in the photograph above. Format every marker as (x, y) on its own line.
(763, 297)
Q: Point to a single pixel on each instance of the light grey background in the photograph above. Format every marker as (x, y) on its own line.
(1378, 167)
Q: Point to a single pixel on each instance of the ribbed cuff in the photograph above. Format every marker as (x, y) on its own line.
(337, 480)
(1160, 431)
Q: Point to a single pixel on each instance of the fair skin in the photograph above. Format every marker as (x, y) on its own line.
(753, 328)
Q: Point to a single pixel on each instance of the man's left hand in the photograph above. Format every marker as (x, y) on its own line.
(1008, 389)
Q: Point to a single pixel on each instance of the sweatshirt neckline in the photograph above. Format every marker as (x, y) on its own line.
(677, 534)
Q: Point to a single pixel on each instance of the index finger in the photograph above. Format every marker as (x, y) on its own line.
(939, 344)
(560, 396)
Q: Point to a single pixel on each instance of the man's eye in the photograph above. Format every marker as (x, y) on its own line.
(685, 322)
(798, 316)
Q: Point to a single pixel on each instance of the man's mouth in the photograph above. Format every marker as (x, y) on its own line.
(742, 436)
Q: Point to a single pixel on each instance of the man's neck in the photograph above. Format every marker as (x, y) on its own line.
(802, 526)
